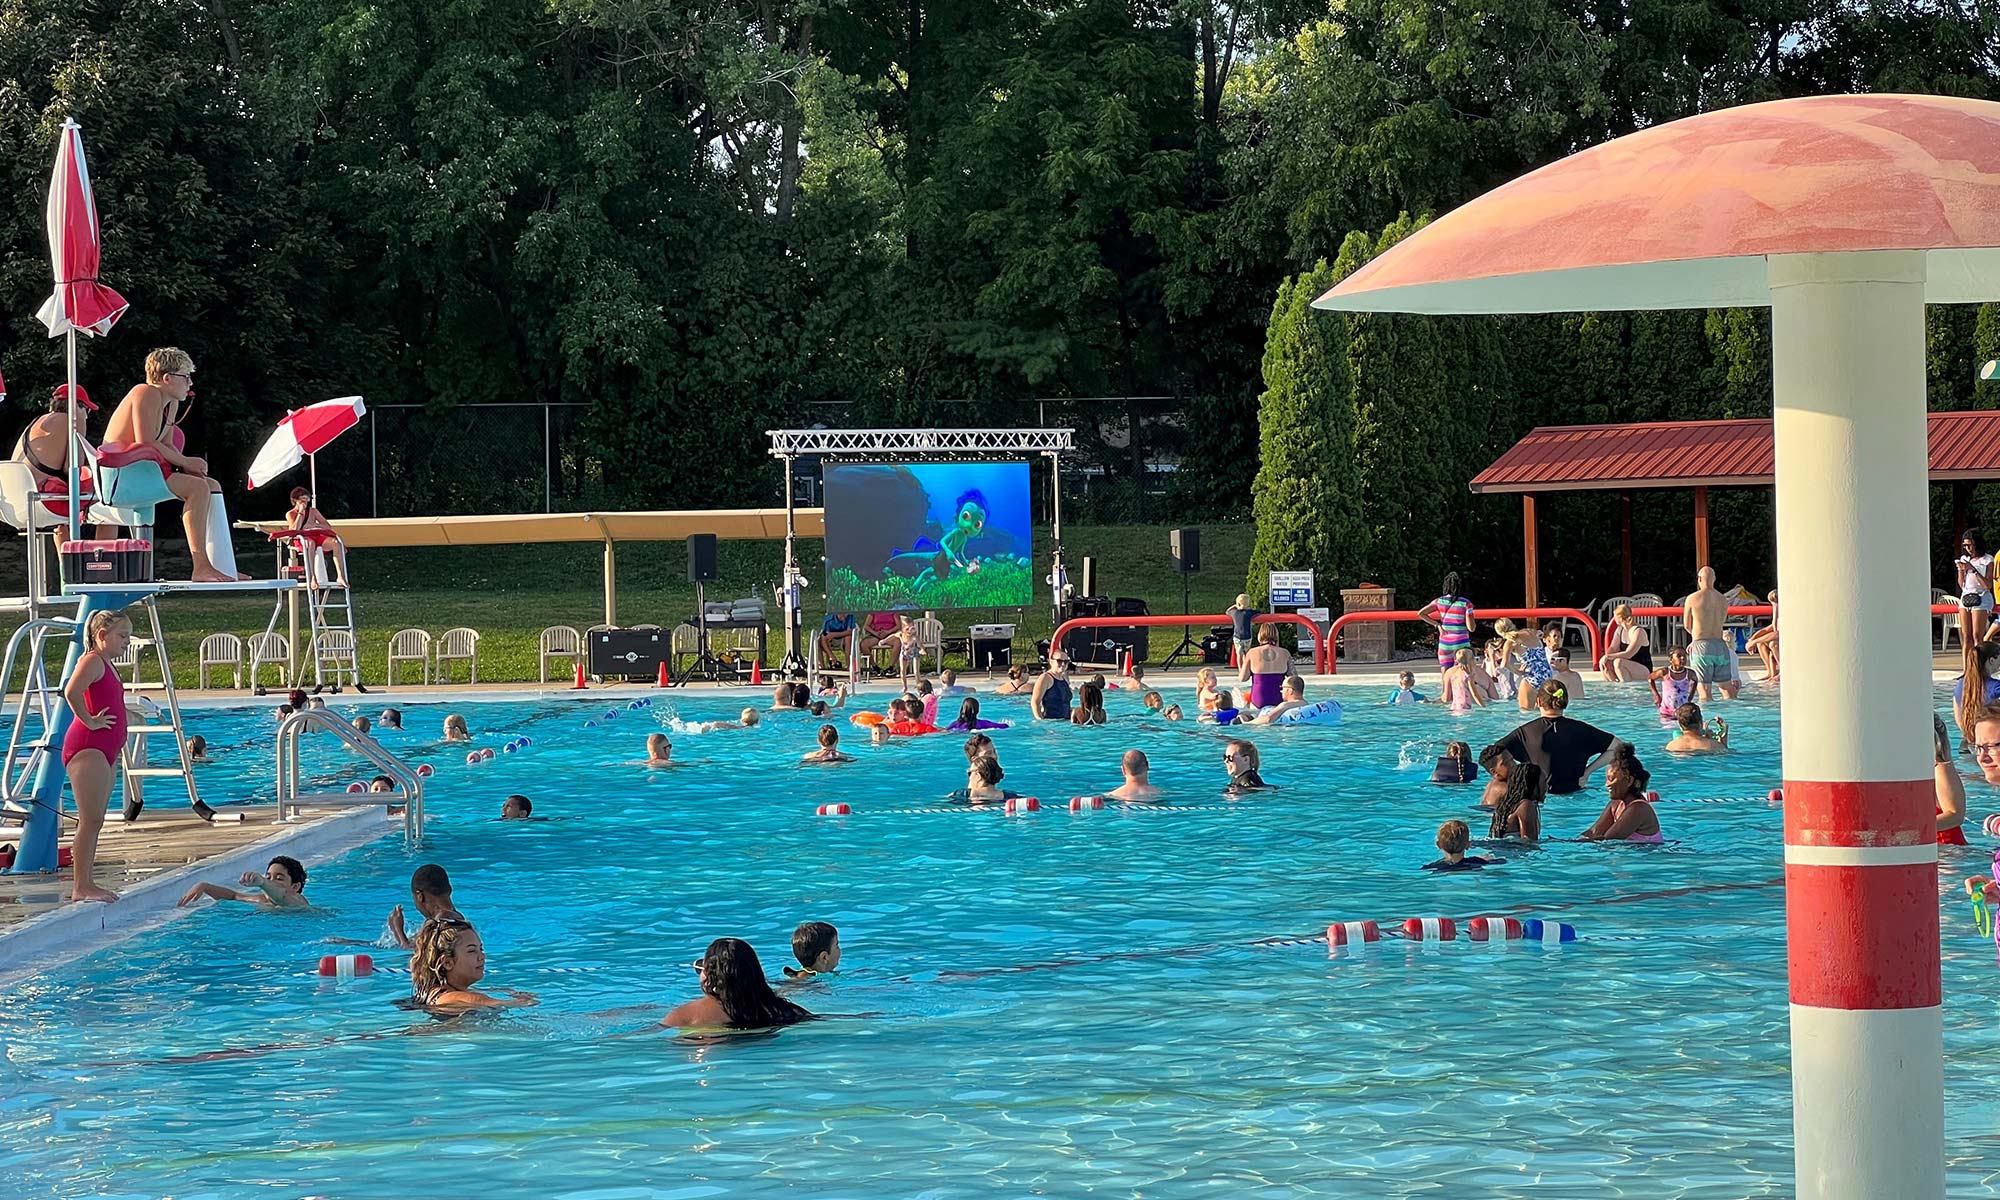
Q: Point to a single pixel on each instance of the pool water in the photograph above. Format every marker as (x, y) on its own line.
(1056, 1004)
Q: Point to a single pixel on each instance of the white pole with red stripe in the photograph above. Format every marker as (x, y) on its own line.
(1861, 892)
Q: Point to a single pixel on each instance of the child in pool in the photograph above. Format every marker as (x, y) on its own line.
(197, 747)
(430, 895)
(455, 730)
(1224, 711)
(829, 747)
(816, 945)
(517, 808)
(1456, 766)
(1498, 764)
(1694, 737)
(1406, 691)
(1205, 692)
(282, 885)
(1452, 838)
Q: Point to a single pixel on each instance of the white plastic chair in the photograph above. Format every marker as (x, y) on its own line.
(930, 640)
(458, 645)
(336, 658)
(1651, 624)
(269, 650)
(1947, 626)
(560, 641)
(410, 646)
(221, 650)
(685, 643)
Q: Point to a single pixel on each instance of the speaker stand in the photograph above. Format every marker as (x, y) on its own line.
(1188, 644)
(705, 663)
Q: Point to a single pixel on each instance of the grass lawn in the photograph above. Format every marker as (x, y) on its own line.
(511, 593)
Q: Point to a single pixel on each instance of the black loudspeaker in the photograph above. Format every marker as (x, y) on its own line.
(1185, 544)
(631, 653)
(701, 558)
(1132, 637)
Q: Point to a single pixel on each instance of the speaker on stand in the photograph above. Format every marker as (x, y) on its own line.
(1185, 547)
(702, 571)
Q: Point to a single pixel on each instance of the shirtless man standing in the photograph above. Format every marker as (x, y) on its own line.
(1709, 654)
(145, 417)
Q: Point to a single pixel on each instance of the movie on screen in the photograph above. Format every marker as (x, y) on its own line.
(913, 536)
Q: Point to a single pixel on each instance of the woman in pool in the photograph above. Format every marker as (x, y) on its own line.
(1673, 685)
(1694, 737)
(734, 993)
(982, 779)
(829, 748)
(1018, 683)
(1265, 668)
(1566, 749)
(447, 960)
(1977, 685)
(659, 751)
(1629, 817)
(390, 719)
(1090, 705)
(1461, 691)
(1241, 760)
(969, 719)
(1628, 654)
(1518, 811)
(94, 742)
(455, 730)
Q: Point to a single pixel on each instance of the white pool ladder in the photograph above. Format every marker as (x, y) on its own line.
(409, 789)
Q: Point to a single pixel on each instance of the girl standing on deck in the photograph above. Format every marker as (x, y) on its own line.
(96, 698)
(1451, 614)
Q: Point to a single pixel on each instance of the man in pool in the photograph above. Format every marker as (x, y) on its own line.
(517, 808)
(1293, 696)
(430, 895)
(816, 945)
(282, 885)
(1137, 786)
(1714, 663)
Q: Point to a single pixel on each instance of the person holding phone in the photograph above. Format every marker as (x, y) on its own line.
(1975, 587)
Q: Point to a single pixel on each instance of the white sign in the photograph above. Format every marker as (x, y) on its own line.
(1319, 617)
(1291, 589)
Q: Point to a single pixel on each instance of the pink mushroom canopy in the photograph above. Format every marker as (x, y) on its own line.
(1684, 215)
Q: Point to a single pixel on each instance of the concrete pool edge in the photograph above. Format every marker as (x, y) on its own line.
(74, 929)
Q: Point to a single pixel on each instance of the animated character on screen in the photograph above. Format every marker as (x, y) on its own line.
(927, 562)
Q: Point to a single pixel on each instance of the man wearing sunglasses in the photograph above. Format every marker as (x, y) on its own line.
(145, 428)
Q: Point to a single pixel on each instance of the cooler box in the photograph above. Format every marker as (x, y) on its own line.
(117, 560)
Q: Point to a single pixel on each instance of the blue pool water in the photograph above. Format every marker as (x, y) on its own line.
(1058, 1004)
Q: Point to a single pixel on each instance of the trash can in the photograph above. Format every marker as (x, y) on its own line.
(1367, 641)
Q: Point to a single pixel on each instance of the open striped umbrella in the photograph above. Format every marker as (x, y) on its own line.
(304, 432)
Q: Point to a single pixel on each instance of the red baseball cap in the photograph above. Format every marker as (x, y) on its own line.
(64, 391)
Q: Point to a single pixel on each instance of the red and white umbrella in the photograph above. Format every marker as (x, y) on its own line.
(305, 432)
(79, 303)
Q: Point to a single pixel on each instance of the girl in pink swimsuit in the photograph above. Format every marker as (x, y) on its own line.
(1459, 690)
(96, 735)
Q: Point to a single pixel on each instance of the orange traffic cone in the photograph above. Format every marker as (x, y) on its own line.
(663, 675)
(1233, 664)
(1128, 662)
(580, 684)
(756, 671)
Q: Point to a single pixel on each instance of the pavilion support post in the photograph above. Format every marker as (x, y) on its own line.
(1861, 875)
(1531, 584)
(1700, 528)
(610, 582)
(1625, 540)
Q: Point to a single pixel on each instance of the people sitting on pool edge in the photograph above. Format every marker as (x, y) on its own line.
(970, 720)
(1694, 736)
(517, 808)
(430, 895)
(829, 748)
(282, 885)
(734, 993)
(1629, 816)
(1405, 691)
(1628, 653)
(1566, 749)
(1452, 838)
(1240, 759)
(816, 945)
(1456, 766)
(447, 960)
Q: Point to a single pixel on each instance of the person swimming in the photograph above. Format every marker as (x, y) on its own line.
(447, 960)
(659, 751)
(969, 719)
(1694, 736)
(1405, 691)
(282, 885)
(455, 730)
(829, 748)
(982, 779)
(816, 945)
(1089, 708)
(390, 719)
(1241, 760)
(197, 748)
(734, 993)
(1629, 816)
(517, 808)
(1456, 766)
(1452, 838)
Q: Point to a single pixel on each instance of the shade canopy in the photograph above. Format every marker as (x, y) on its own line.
(1685, 215)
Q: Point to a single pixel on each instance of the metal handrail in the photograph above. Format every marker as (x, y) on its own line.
(16, 776)
(1595, 631)
(409, 785)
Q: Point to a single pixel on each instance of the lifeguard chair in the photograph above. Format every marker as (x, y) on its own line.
(305, 555)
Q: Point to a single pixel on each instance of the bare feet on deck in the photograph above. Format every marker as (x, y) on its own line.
(213, 576)
(93, 893)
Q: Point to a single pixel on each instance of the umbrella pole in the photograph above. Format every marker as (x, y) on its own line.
(71, 457)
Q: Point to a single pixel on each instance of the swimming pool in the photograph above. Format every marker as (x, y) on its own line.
(1057, 1004)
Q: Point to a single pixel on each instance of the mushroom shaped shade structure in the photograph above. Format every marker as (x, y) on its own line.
(1845, 215)
(1687, 214)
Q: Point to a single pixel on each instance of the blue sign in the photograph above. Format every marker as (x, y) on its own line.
(1291, 589)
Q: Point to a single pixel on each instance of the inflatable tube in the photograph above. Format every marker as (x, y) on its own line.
(868, 720)
(1321, 712)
